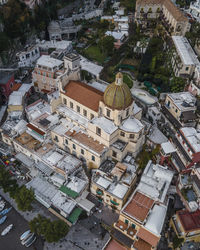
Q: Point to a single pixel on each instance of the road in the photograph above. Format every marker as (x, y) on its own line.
(11, 240)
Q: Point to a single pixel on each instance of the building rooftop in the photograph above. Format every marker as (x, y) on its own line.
(28, 141)
(88, 142)
(76, 184)
(155, 181)
(156, 136)
(114, 245)
(167, 147)
(132, 125)
(183, 100)
(73, 115)
(138, 206)
(36, 109)
(156, 219)
(54, 44)
(15, 99)
(72, 56)
(116, 35)
(84, 94)
(189, 220)
(105, 124)
(141, 244)
(192, 136)
(60, 201)
(148, 237)
(90, 67)
(49, 62)
(185, 50)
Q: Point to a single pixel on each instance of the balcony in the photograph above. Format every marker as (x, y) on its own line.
(121, 225)
(114, 203)
(131, 231)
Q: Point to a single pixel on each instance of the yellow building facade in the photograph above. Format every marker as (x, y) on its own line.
(94, 121)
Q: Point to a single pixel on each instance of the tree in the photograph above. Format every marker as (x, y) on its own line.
(106, 45)
(24, 197)
(52, 231)
(177, 84)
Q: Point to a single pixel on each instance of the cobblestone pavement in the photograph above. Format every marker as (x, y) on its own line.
(79, 237)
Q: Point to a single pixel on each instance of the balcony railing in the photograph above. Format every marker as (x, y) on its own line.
(114, 202)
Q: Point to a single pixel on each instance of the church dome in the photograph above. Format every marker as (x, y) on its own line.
(118, 95)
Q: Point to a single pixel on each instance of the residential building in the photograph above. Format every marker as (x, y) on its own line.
(186, 225)
(119, 38)
(63, 29)
(194, 85)
(188, 148)
(112, 183)
(180, 108)
(28, 57)
(91, 68)
(6, 83)
(55, 48)
(184, 60)
(142, 218)
(95, 121)
(17, 98)
(166, 11)
(195, 10)
(46, 73)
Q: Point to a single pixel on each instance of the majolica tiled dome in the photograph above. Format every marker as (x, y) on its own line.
(118, 95)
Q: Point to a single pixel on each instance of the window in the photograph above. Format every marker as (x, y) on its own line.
(127, 112)
(56, 138)
(93, 158)
(186, 68)
(82, 152)
(74, 146)
(176, 110)
(85, 112)
(98, 131)
(91, 116)
(66, 141)
(126, 221)
(132, 136)
(71, 105)
(108, 112)
(133, 226)
(122, 133)
(78, 109)
(114, 154)
(65, 101)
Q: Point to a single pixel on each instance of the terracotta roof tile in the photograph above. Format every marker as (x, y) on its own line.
(87, 141)
(189, 220)
(139, 206)
(16, 86)
(84, 94)
(141, 245)
(147, 236)
(29, 125)
(114, 245)
(175, 12)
